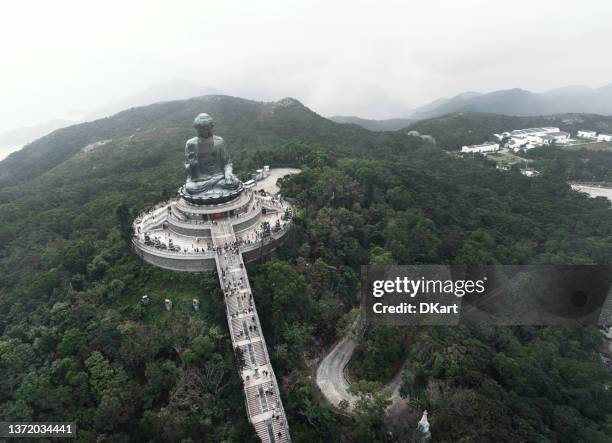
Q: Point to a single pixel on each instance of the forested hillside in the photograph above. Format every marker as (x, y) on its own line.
(76, 344)
(390, 124)
(245, 124)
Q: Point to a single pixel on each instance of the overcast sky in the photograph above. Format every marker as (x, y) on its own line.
(374, 59)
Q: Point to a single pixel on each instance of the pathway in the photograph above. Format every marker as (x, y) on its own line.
(263, 402)
(334, 385)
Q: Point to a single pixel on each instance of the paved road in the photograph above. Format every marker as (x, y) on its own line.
(333, 385)
(330, 373)
(269, 183)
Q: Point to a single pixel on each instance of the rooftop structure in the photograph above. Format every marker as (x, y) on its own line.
(604, 137)
(591, 135)
(482, 148)
(534, 131)
(533, 137)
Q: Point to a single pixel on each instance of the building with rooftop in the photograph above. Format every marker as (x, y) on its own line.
(533, 137)
(589, 135)
(482, 148)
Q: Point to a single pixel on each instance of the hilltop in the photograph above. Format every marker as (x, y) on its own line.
(245, 124)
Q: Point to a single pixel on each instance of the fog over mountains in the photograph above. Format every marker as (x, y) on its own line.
(513, 102)
(167, 91)
(520, 102)
(390, 124)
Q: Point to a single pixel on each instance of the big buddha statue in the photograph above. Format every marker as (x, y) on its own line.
(210, 179)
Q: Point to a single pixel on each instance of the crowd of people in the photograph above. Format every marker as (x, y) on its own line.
(163, 241)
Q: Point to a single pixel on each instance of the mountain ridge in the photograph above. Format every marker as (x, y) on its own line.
(245, 124)
(521, 102)
(389, 124)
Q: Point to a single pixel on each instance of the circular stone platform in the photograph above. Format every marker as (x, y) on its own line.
(177, 234)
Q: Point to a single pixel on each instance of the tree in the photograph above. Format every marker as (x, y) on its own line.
(407, 386)
(125, 222)
(73, 342)
(161, 377)
(372, 401)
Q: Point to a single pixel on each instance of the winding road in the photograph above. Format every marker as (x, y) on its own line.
(334, 386)
(330, 373)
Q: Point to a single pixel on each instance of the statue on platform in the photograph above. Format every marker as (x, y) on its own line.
(210, 179)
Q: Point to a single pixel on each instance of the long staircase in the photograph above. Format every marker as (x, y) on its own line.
(263, 402)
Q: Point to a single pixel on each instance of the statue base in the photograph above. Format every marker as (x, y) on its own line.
(211, 197)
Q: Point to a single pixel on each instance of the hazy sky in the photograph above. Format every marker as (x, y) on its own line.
(373, 58)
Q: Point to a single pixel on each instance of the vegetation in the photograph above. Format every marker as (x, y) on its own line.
(512, 384)
(583, 165)
(76, 343)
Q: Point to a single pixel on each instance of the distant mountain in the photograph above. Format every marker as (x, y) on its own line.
(16, 138)
(440, 102)
(391, 124)
(520, 102)
(454, 130)
(163, 92)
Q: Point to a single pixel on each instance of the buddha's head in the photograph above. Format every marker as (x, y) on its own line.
(203, 125)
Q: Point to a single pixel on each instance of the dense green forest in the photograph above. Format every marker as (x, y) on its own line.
(583, 165)
(76, 344)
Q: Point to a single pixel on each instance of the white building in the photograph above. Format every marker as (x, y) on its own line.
(516, 143)
(534, 131)
(604, 137)
(590, 135)
(532, 137)
(483, 148)
(555, 137)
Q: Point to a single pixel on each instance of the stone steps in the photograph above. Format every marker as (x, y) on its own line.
(254, 354)
(258, 399)
(264, 405)
(268, 431)
(240, 328)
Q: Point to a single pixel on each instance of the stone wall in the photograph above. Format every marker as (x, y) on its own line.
(193, 230)
(246, 223)
(258, 252)
(177, 261)
(205, 262)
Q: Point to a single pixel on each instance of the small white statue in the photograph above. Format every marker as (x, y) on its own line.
(168, 304)
(422, 433)
(196, 304)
